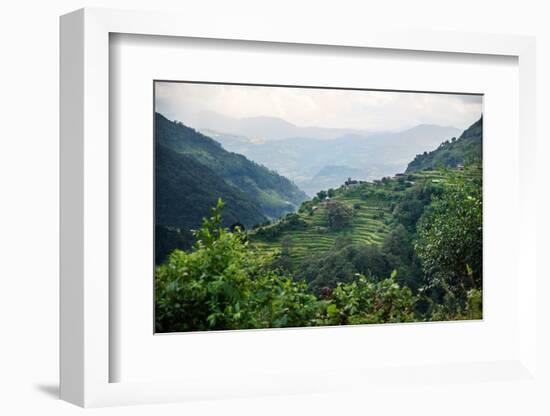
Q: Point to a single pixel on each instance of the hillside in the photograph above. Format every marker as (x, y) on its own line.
(273, 193)
(465, 149)
(375, 210)
(331, 176)
(185, 190)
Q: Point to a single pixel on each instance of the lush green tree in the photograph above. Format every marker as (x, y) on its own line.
(326, 270)
(342, 264)
(452, 306)
(450, 238)
(339, 214)
(399, 251)
(367, 301)
(411, 205)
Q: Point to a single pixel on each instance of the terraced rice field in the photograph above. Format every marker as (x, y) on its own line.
(368, 226)
(372, 216)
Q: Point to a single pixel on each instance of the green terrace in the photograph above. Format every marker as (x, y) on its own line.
(371, 203)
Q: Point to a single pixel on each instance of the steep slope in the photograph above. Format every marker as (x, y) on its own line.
(465, 149)
(375, 209)
(273, 193)
(185, 190)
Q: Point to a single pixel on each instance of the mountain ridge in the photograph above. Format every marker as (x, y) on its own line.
(454, 152)
(266, 127)
(185, 190)
(275, 194)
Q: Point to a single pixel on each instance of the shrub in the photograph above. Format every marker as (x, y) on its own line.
(339, 215)
(366, 301)
(224, 284)
(450, 238)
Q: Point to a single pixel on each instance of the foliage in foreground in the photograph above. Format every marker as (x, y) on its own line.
(225, 284)
(450, 243)
(433, 254)
(366, 301)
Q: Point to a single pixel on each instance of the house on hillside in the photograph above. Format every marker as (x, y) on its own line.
(350, 183)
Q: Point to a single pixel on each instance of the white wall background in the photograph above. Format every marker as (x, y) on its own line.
(29, 206)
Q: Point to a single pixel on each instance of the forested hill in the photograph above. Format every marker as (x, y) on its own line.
(186, 190)
(467, 148)
(273, 193)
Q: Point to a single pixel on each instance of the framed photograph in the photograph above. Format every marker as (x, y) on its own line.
(288, 206)
(268, 212)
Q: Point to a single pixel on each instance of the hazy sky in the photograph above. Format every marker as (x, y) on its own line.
(366, 110)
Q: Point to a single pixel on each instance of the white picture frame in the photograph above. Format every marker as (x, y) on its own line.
(85, 354)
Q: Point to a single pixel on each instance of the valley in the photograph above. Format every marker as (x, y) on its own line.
(330, 162)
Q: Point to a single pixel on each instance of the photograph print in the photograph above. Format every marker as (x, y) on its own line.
(288, 206)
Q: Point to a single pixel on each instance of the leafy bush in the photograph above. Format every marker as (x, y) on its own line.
(223, 284)
(342, 264)
(399, 252)
(367, 301)
(411, 206)
(450, 238)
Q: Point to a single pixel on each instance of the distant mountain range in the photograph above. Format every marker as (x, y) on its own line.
(315, 164)
(264, 128)
(451, 153)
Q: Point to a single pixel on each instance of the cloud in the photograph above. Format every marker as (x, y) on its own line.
(359, 109)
